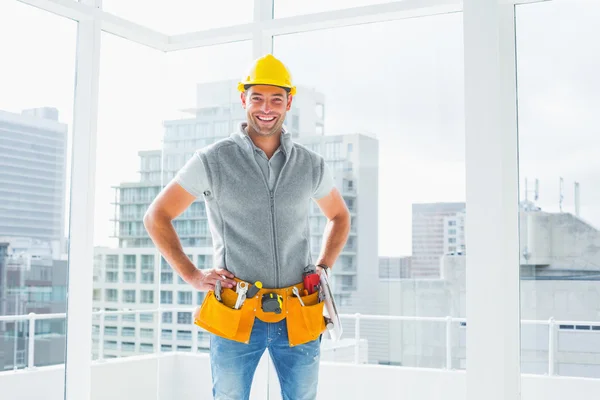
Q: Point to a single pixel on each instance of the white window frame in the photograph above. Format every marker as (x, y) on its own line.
(491, 141)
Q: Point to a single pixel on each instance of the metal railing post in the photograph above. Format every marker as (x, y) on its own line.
(138, 322)
(31, 342)
(194, 338)
(158, 334)
(448, 343)
(551, 345)
(101, 336)
(357, 338)
(16, 343)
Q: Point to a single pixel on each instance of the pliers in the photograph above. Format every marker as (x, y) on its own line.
(218, 291)
(241, 289)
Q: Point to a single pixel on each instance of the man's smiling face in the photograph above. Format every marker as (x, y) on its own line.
(266, 107)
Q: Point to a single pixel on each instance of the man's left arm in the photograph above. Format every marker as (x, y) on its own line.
(337, 229)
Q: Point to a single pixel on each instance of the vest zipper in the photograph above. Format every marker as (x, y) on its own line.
(272, 194)
(273, 215)
(274, 237)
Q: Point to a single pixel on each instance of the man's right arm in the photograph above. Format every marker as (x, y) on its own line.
(171, 202)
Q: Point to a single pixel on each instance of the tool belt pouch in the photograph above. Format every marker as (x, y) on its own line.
(225, 321)
(304, 323)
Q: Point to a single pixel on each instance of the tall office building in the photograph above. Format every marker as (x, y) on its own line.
(128, 278)
(33, 148)
(431, 234)
(394, 267)
(454, 233)
(354, 161)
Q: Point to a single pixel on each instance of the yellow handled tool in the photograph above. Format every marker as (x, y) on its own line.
(254, 289)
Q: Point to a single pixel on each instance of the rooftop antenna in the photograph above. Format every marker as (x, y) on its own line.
(561, 196)
(536, 191)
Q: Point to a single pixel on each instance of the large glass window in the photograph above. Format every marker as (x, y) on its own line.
(559, 98)
(129, 137)
(382, 102)
(157, 133)
(404, 175)
(36, 124)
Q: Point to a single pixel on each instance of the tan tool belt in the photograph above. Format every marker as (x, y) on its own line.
(304, 323)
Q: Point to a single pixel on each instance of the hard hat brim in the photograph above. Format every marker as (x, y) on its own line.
(242, 85)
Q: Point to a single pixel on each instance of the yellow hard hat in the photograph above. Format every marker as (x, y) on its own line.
(268, 70)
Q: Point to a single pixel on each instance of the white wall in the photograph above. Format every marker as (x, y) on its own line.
(45, 383)
(535, 387)
(133, 378)
(188, 377)
(346, 381)
(119, 379)
(192, 379)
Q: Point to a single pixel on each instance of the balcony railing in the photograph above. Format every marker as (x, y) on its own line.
(357, 318)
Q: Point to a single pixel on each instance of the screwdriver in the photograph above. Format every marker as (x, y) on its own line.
(297, 293)
(254, 289)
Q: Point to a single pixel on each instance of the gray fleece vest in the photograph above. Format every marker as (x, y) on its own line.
(259, 234)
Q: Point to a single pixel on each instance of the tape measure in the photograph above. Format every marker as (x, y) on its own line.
(272, 302)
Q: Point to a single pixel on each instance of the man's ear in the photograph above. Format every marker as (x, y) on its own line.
(243, 96)
(289, 104)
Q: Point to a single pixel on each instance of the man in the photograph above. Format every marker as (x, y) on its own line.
(257, 185)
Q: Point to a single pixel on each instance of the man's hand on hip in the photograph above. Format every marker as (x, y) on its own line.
(205, 279)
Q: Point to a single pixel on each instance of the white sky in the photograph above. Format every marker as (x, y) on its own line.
(401, 80)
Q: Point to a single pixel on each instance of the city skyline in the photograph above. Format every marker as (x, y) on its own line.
(430, 142)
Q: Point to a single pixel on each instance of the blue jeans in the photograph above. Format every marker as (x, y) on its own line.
(233, 363)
